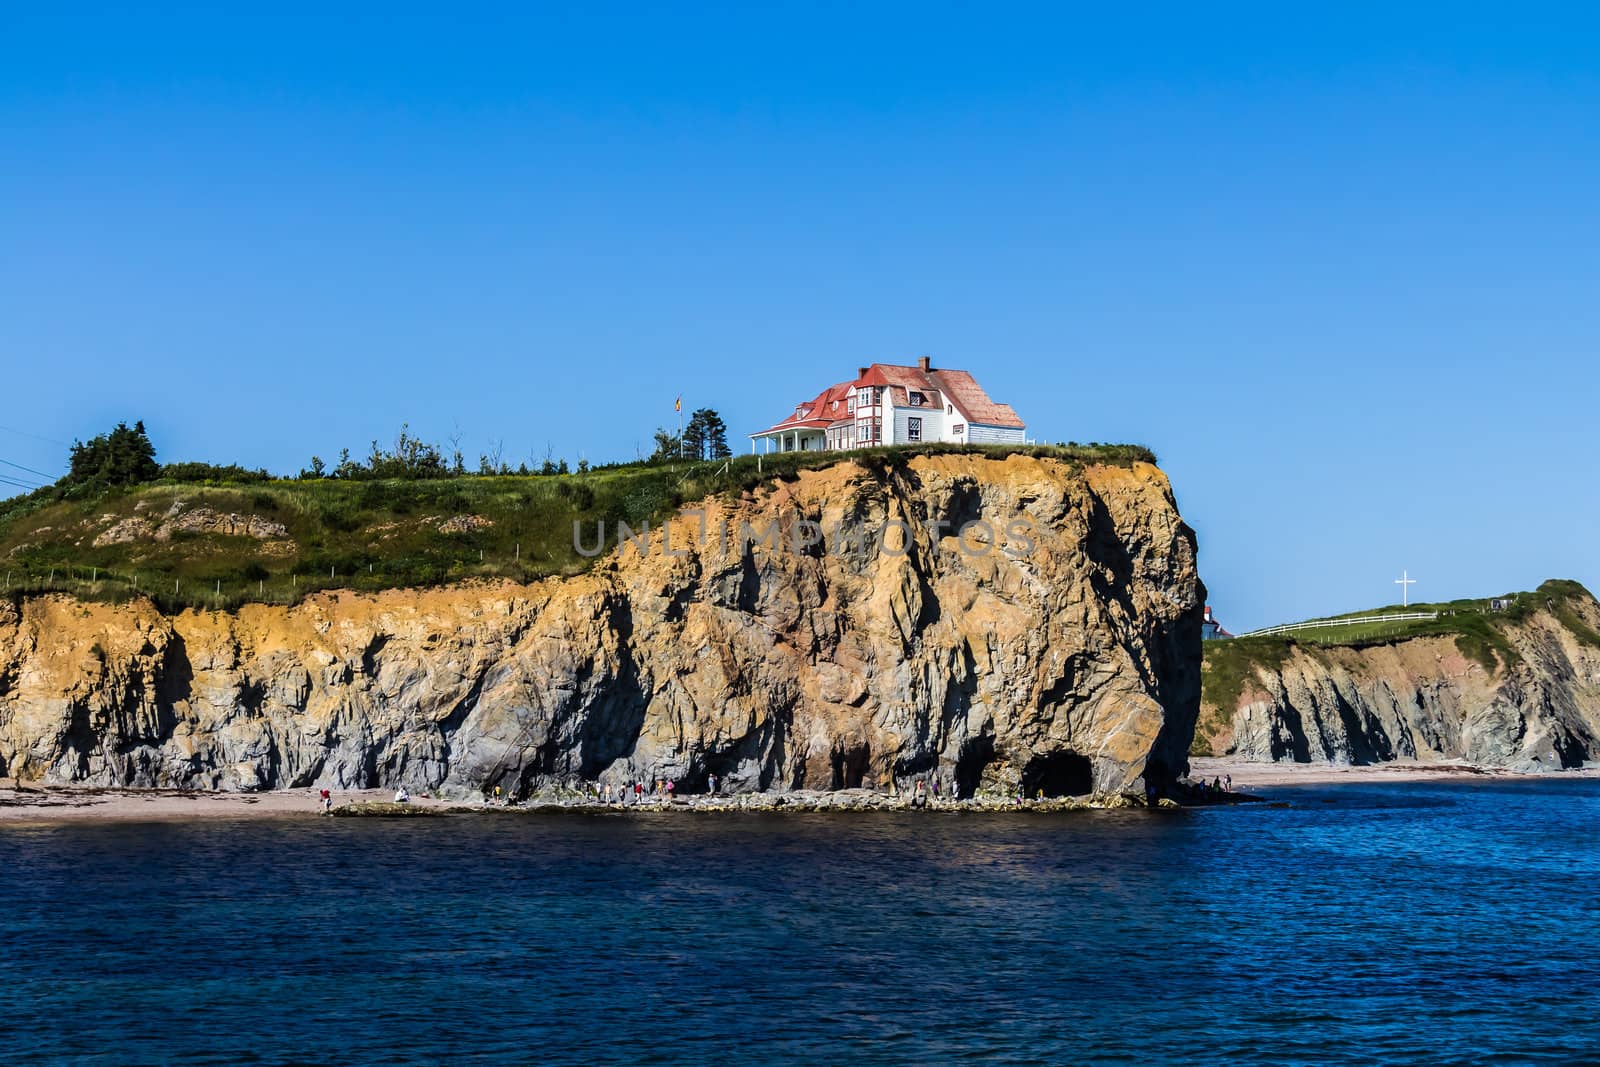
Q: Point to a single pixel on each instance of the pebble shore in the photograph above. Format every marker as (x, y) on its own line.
(791, 802)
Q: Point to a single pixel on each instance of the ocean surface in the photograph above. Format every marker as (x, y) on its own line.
(1415, 923)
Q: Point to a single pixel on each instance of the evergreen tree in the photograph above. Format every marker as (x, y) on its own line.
(121, 457)
(694, 436)
(706, 436)
(716, 435)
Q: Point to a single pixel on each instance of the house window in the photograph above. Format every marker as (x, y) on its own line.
(850, 404)
(917, 400)
(913, 428)
(958, 427)
(949, 409)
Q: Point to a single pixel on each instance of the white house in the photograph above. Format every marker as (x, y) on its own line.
(888, 404)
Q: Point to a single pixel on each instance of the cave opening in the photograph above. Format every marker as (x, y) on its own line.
(1060, 774)
(976, 755)
(850, 766)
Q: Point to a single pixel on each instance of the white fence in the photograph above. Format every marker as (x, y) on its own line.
(1319, 624)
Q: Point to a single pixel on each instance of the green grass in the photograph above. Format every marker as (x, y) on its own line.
(372, 535)
(1228, 667)
(1479, 634)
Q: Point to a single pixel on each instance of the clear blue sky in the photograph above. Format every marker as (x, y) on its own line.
(1341, 271)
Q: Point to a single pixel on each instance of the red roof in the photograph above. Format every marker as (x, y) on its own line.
(969, 396)
(817, 413)
(937, 387)
(958, 387)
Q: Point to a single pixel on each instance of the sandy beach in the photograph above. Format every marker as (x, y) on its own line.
(22, 803)
(1247, 775)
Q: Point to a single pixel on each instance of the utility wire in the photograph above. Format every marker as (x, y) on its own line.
(30, 470)
(35, 436)
(20, 485)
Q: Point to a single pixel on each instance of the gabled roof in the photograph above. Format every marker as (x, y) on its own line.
(813, 414)
(939, 387)
(968, 395)
(957, 386)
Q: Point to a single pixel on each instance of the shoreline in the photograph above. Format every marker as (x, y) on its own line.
(1248, 775)
(22, 803)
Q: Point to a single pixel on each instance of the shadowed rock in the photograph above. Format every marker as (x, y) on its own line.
(1055, 647)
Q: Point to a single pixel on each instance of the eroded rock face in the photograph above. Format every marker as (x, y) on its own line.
(201, 520)
(1056, 647)
(1424, 700)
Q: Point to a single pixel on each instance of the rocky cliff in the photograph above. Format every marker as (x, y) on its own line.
(832, 629)
(1530, 702)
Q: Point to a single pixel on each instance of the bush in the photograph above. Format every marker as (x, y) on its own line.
(192, 473)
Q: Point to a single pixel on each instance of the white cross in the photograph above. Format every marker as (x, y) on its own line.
(1405, 582)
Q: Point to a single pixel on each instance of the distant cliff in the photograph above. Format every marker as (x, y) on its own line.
(1519, 690)
(1055, 645)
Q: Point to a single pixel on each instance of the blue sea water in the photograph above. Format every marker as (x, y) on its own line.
(1417, 923)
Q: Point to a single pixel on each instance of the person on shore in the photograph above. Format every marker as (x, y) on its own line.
(401, 796)
(671, 786)
(711, 784)
(638, 792)
(327, 800)
(1227, 782)
(936, 787)
(919, 795)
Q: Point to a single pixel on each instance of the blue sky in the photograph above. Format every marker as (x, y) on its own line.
(1340, 270)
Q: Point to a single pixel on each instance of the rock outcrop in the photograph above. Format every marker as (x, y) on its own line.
(193, 521)
(1023, 621)
(1534, 706)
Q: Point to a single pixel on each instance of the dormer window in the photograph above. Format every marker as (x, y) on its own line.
(917, 399)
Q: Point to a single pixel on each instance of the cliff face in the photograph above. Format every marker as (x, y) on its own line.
(1422, 699)
(1060, 649)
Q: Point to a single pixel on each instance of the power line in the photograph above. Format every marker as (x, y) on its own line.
(20, 485)
(35, 436)
(30, 470)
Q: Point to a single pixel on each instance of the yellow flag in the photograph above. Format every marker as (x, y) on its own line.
(678, 404)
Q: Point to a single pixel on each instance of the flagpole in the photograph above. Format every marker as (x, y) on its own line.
(680, 427)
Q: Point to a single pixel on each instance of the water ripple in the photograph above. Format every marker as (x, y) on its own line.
(1425, 923)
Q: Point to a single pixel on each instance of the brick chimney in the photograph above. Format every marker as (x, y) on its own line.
(924, 363)
(861, 372)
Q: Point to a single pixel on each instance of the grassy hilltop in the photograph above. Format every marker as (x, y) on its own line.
(1479, 634)
(190, 535)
